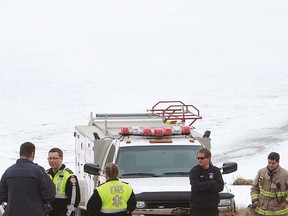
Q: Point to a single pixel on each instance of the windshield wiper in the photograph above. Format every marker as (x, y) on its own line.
(175, 173)
(139, 174)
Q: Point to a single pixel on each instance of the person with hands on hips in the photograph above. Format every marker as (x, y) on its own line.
(206, 182)
(67, 187)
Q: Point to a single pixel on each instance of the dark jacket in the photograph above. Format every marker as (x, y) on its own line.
(26, 187)
(205, 187)
(60, 205)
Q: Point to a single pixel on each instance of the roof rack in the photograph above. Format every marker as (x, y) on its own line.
(126, 116)
(163, 112)
(176, 110)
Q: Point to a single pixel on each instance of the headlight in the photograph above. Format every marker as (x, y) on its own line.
(225, 202)
(140, 204)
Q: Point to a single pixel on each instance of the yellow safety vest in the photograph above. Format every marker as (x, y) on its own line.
(114, 195)
(60, 180)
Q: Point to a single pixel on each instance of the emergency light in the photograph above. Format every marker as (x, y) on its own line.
(157, 132)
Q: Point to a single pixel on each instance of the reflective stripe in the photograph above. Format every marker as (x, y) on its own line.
(69, 211)
(60, 196)
(281, 212)
(60, 179)
(254, 197)
(272, 194)
(112, 210)
(73, 195)
(71, 207)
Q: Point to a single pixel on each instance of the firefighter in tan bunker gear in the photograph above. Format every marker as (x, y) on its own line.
(269, 191)
(113, 198)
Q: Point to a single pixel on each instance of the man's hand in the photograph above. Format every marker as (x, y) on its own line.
(70, 214)
(257, 203)
(47, 208)
(283, 205)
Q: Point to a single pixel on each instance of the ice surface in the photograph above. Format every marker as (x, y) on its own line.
(60, 60)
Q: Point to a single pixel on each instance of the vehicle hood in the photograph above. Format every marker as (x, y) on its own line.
(158, 184)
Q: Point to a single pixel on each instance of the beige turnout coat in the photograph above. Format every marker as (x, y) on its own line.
(270, 189)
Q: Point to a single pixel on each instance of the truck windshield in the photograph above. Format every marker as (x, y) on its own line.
(158, 161)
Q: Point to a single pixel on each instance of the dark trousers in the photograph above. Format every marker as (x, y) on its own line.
(204, 212)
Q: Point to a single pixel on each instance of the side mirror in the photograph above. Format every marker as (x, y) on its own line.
(93, 169)
(229, 167)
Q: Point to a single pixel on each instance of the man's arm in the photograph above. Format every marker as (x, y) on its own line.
(3, 189)
(219, 182)
(199, 184)
(72, 191)
(131, 204)
(94, 204)
(47, 187)
(254, 194)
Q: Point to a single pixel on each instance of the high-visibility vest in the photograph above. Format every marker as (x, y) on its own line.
(60, 180)
(114, 195)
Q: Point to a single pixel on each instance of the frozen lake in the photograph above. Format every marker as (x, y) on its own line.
(60, 60)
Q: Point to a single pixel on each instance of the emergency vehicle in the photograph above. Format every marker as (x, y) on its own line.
(154, 151)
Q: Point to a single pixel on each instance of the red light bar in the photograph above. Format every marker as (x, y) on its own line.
(158, 132)
(185, 130)
(125, 131)
(147, 132)
(168, 131)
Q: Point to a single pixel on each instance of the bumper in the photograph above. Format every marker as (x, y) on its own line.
(224, 211)
(166, 211)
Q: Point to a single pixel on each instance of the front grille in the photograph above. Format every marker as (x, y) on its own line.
(170, 199)
(170, 204)
(165, 199)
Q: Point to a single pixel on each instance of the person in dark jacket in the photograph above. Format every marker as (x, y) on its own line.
(25, 186)
(206, 183)
(112, 198)
(67, 186)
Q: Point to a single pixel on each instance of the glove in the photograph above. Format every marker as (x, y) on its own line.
(47, 208)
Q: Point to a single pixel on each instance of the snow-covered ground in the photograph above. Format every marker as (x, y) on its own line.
(60, 60)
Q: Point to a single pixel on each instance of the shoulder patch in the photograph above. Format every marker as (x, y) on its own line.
(69, 171)
(73, 180)
(49, 171)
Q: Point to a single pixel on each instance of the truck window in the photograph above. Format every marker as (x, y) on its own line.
(161, 160)
(110, 155)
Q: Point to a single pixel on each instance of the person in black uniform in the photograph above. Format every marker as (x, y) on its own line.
(25, 186)
(67, 187)
(206, 183)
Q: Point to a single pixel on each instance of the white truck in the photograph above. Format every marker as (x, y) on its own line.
(154, 151)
